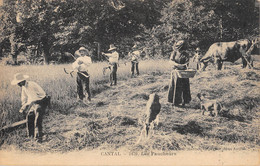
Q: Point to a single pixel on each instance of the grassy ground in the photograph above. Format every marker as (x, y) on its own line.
(114, 118)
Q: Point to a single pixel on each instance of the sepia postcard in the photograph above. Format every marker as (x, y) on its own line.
(129, 82)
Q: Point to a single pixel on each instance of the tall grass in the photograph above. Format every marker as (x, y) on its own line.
(113, 119)
(60, 86)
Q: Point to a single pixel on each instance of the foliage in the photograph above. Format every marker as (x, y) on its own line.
(45, 27)
(202, 22)
(48, 26)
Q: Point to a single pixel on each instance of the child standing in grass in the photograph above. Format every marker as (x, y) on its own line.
(197, 57)
(34, 102)
(80, 65)
(113, 62)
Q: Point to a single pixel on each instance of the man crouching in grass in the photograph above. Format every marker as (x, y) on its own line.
(34, 104)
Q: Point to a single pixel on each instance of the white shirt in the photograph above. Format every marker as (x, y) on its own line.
(135, 55)
(82, 63)
(113, 57)
(196, 57)
(31, 92)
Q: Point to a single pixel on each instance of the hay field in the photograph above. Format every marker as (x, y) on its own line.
(114, 118)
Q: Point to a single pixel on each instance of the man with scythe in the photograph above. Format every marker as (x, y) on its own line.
(113, 63)
(80, 65)
(134, 55)
(34, 103)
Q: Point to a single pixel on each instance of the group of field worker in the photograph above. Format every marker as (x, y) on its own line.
(34, 99)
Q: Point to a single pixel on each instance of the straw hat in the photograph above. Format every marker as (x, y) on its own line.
(179, 44)
(82, 49)
(112, 47)
(197, 49)
(18, 77)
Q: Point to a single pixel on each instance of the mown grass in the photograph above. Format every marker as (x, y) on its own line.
(60, 86)
(114, 118)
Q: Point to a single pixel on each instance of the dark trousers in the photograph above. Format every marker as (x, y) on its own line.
(34, 117)
(113, 77)
(83, 80)
(134, 65)
(179, 90)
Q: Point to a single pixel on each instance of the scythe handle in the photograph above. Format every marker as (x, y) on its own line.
(247, 62)
(14, 125)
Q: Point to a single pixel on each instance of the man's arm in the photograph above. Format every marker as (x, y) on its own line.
(76, 64)
(87, 60)
(108, 54)
(24, 101)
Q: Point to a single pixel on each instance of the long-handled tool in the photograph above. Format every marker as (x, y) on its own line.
(68, 72)
(73, 72)
(254, 42)
(14, 125)
(248, 62)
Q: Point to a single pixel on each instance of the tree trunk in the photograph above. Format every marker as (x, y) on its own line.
(14, 49)
(221, 28)
(46, 48)
(98, 51)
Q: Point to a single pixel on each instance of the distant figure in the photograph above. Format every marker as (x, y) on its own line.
(113, 63)
(247, 54)
(153, 108)
(197, 57)
(134, 55)
(34, 104)
(179, 88)
(81, 66)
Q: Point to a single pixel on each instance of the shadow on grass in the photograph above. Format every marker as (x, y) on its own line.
(233, 117)
(191, 127)
(123, 121)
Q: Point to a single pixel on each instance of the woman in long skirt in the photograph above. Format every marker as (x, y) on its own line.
(179, 88)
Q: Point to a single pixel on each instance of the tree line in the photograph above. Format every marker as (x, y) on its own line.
(47, 29)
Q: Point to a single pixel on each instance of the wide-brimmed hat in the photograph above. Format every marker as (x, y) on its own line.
(179, 44)
(83, 49)
(18, 77)
(197, 49)
(135, 46)
(112, 47)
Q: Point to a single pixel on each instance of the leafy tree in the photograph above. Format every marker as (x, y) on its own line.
(203, 22)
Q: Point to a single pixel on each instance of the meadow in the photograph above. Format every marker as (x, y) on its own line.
(114, 117)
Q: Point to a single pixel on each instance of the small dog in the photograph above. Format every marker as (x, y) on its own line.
(213, 106)
(153, 108)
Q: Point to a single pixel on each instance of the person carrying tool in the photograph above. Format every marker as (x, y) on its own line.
(34, 103)
(134, 55)
(80, 65)
(247, 55)
(113, 62)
